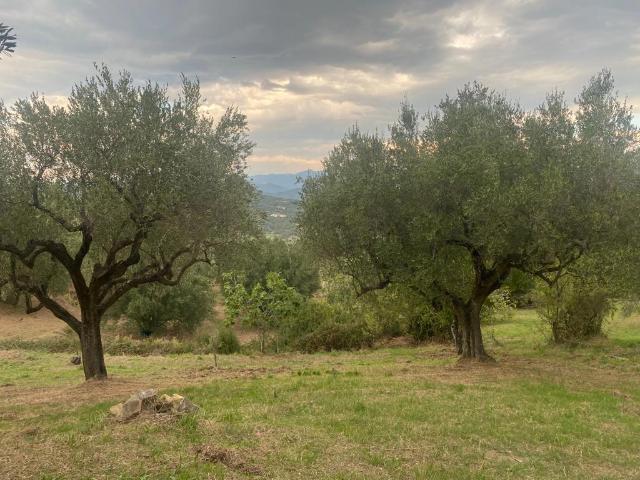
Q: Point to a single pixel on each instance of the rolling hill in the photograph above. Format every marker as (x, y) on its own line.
(279, 195)
(283, 185)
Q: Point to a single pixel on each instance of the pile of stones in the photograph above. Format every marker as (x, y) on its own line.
(148, 401)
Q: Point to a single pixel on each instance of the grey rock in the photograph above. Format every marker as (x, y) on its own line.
(147, 397)
(175, 404)
(124, 411)
(148, 400)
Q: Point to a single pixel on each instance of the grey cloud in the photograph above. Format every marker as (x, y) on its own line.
(274, 47)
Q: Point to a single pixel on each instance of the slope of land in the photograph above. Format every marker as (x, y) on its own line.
(15, 323)
(283, 185)
(539, 412)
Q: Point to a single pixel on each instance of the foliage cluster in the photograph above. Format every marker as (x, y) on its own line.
(123, 187)
(294, 321)
(254, 260)
(575, 309)
(157, 309)
(226, 341)
(476, 195)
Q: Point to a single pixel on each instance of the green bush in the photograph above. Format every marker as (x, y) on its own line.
(430, 324)
(266, 307)
(336, 336)
(309, 316)
(320, 326)
(158, 309)
(397, 311)
(499, 307)
(226, 341)
(575, 310)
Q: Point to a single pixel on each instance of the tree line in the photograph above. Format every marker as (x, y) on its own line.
(124, 191)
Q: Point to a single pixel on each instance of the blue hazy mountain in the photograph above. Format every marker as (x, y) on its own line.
(283, 185)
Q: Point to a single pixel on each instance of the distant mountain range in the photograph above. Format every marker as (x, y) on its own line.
(282, 185)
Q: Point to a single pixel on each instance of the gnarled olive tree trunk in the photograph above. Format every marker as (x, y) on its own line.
(91, 346)
(469, 332)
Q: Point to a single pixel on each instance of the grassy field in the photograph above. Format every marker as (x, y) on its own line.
(540, 412)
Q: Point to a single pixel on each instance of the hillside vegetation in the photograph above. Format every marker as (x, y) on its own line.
(279, 215)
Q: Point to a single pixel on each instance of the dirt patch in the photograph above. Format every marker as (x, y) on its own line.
(228, 458)
(227, 373)
(15, 323)
(12, 354)
(83, 393)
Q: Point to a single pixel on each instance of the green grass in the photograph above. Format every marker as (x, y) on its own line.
(408, 413)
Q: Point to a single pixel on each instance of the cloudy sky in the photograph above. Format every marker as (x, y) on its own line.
(306, 70)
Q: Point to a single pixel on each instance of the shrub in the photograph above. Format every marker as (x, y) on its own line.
(226, 341)
(321, 326)
(266, 308)
(575, 310)
(9, 296)
(499, 307)
(430, 324)
(264, 255)
(154, 309)
(336, 336)
(311, 315)
(388, 310)
(339, 289)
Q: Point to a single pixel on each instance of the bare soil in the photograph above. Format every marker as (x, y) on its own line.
(15, 323)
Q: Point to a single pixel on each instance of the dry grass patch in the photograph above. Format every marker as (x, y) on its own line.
(539, 412)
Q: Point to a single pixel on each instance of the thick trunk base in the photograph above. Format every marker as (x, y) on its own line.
(92, 352)
(469, 342)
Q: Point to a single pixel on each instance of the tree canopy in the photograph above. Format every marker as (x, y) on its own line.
(122, 187)
(452, 202)
(264, 255)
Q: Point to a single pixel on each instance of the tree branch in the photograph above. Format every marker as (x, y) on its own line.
(85, 246)
(455, 299)
(362, 289)
(35, 248)
(559, 268)
(35, 202)
(22, 284)
(29, 307)
(156, 273)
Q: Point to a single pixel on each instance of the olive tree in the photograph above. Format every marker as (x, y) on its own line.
(121, 188)
(450, 207)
